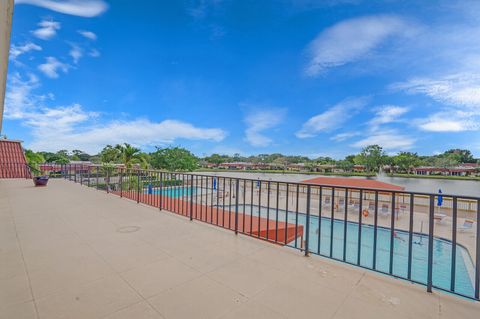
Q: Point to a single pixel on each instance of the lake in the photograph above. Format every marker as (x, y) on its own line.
(453, 187)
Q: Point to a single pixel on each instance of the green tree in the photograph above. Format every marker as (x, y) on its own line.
(63, 153)
(445, 161)
(325, 160)
(345, 165)
(215, 159)
(61, 157)
(33, 161)
(350, 158)
(130, 155)
(174, 159)
(110, 154)
(81, 155)
(238, 158)
(281, 162)
(372, 156)
(461, 156)
(406, 161)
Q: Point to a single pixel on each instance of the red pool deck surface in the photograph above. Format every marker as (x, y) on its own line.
(278, 232)
(353, 182)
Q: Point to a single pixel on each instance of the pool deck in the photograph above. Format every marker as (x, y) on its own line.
(68, 251)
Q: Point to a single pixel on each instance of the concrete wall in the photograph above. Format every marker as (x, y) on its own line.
(6, 12)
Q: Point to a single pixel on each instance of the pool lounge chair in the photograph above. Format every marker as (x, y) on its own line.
(467, 226)
(440, 218)
(327, 200)
(385, 211)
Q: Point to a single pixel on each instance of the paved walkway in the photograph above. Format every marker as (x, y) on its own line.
(67, 251)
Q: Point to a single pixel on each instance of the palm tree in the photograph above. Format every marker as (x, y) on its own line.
(130, 155)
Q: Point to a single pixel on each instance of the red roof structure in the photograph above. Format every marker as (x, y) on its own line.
(353, 182)
(12, 160)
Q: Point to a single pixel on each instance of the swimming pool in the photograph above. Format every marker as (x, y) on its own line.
(319, 243)
(174, 192)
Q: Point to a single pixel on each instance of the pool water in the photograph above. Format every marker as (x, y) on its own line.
(174, 192)
(442, 254)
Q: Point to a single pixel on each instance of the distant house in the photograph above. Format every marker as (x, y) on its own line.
(464, 169)
(359, 168)
(245, 166)
(296, 167)
(325, 168)
(80, 166)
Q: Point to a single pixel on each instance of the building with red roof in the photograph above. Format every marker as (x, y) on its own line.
(12, 160)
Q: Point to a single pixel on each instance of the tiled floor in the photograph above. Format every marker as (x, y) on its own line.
(67, 251)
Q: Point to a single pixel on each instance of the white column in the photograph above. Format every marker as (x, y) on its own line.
(6, 13)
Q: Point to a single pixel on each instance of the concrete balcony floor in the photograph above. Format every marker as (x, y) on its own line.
(67, 251)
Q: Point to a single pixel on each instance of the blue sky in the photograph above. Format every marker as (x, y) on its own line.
(317, 78)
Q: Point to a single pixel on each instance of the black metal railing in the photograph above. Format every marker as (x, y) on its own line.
(420, 237)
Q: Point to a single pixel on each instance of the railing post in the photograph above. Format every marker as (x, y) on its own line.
(237, 190)
(191, 197)
(430, 243)
(410, 237)
(121, 182)
(392, 234)
(138, 186)
(75, 173)
(307, 224)
(454, 245)
(160, 192)
(97, 178)
(477, 264)
(88, 177)
(107, 181)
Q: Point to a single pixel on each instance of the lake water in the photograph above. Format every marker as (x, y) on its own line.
(453, 187)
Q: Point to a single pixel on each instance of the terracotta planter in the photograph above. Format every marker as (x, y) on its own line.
(40, 180)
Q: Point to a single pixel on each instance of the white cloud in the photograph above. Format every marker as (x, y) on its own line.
(51, 67)
(94, 53)
(17, 50)
(260, 120)
(64, 127)
(48, 29)
(200, 9)
(60, 119)
(140, 132)
(389, 140)
(459, 95)
(332, 118)
(88, 34)
(344, 136)
(450, 121)
(18, 97)
(75, 52)
(351, 40)
(462, 89)
(388, 114)
(82, 8)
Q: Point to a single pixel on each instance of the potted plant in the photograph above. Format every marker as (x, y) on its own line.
(33, 162)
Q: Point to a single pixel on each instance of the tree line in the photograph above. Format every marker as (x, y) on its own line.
(372, 157)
